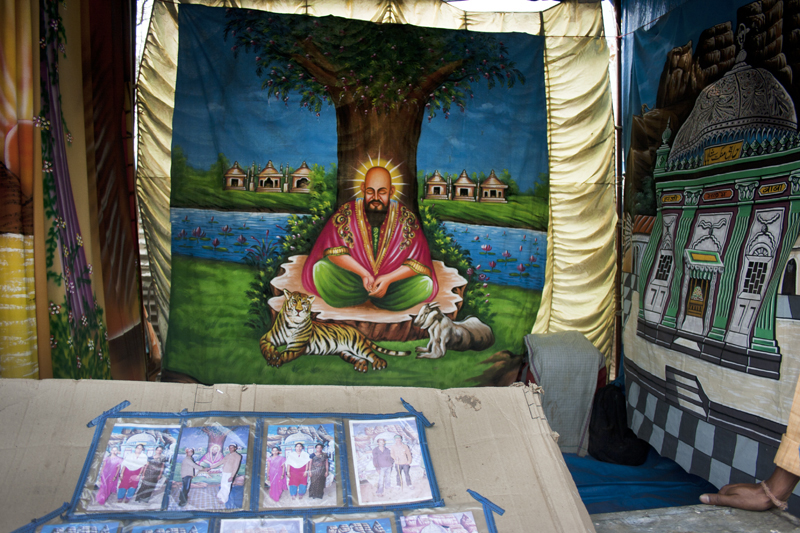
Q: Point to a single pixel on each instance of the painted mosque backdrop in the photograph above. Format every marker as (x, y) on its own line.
(712, 222)
(354, 203)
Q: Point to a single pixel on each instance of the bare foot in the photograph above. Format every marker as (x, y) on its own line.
(751, 496)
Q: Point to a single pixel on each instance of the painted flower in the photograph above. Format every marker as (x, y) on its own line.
(69, 137)
(37, 120)
(90, 269)
(478, 267)
(63, 50)
(485, 285)
(492, 264)
(105, 335)
(506, 254)
(79, 361)
(47, 166)
(42, 43)
(215, 242)
(483, 277)
(100, 354)
(196, 232)
(226, 228)
(90, 344)
(476, 238)
(532, 258)
(521, 268)
(470, 271)
(54, 308)
(84, 320)
(54, 24)
(79, 239)
(67, 272)
(70, 287)
(69, 341)
(486, 247)
(53, 341)
(70, 316)
(241, 239)
(182, 234)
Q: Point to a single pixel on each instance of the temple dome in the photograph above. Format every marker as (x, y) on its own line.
(746, 104)
(235, 171)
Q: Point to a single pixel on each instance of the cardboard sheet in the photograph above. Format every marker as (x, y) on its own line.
(495, 441)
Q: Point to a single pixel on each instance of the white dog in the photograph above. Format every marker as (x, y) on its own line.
(468, 334)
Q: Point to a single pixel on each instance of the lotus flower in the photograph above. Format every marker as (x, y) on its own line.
(535, 239)
(483, 277)
(485, 285)
(212, 220)
(226, 228)
(202, 234)
(477, 238)
(520, 248)
(533, 259)
(506, 254)
(186, 218)
(241, 239)
(521, 268)
(492, 264)
(478, 267)
(182, 234)
(196, 232)
(470, 271)
(486, 247)
(215, 242)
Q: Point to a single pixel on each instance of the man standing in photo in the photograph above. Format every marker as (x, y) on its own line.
(189, 469)
(401, 454)
(230, 466)
(383, 462)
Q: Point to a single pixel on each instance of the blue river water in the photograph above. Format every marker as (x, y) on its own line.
(506, 256)
(518, 254)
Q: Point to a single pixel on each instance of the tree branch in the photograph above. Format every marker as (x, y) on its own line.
(434, 79)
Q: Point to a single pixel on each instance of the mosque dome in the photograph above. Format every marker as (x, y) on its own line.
(746, 104)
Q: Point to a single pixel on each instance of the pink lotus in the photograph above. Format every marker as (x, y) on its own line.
(521, 268)
(506, 254)
(486, 247)
(492, 264)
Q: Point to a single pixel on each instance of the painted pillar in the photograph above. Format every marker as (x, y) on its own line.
(692, 197)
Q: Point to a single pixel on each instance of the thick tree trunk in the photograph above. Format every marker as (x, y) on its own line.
(216, 435)
(390, 135)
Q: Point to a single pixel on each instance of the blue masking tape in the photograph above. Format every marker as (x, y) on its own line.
(106, 414)
(489, 509)
(416, 413)
(39, 521)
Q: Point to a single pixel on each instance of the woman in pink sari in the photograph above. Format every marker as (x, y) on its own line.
(108, 476)
(276, 474)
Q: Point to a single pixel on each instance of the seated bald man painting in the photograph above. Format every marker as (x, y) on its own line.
(372, 249)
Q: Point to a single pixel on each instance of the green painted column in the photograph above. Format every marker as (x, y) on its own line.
(687, 217)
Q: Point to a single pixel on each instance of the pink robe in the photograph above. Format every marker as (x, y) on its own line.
(401, 242)
(277, 481)
(108, 481)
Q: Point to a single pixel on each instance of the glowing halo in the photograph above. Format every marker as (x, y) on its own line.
(394, 172)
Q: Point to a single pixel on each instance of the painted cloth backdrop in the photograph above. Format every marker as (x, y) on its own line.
(18, 349)
(275, 249)
(712, 221)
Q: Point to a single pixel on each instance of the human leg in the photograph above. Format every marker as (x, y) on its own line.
(186, 485)
(293, 491)
(337, 286)
(121, 494)
(405, 293)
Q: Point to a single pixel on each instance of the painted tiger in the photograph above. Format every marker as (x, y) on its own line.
(294, 327)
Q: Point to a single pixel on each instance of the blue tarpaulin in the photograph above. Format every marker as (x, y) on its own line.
(610, 488)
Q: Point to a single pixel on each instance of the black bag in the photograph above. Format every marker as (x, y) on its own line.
(610, 438)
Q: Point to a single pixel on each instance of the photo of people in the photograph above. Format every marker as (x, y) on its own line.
(388, 463)
(172, 527)
(372, 525)
(135, 467)
(262, 525)
(88, 527)
(439, 523)
(300, 466)
(210, 468)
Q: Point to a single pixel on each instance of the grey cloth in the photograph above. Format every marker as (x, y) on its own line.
(566, 365)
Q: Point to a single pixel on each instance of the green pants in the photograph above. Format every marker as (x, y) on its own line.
(342, 288)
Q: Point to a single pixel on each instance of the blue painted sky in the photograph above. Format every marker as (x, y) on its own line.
(220, 107)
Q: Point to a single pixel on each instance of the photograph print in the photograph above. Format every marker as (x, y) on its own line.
(388, 463)
(355, 525)
(88, 527)
(262, 525)
(171, 527)
(439, 523)
(300, 466)
(210, 468)
(135, 468)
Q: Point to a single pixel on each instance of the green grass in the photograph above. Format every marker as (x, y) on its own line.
(203, 189)
(208, 338)
(528, 212)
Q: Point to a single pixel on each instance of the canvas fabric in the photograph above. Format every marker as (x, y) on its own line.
(580, 250)
(566, 364)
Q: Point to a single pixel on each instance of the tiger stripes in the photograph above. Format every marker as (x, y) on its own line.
(294, 328)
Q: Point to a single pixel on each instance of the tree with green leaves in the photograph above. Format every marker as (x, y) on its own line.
(383, 80)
